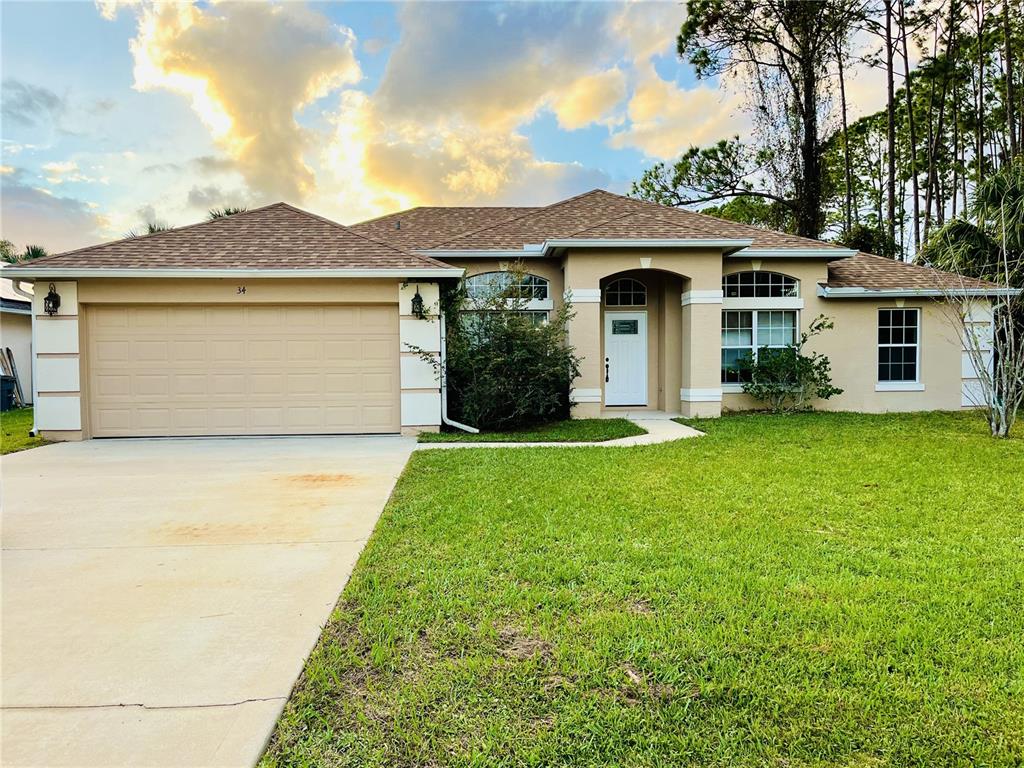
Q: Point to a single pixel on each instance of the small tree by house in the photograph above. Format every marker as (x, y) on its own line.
(992, 328)
(507, 367)
(787, 379)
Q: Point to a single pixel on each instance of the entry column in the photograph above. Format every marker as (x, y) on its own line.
(585, 336)
(701, 391)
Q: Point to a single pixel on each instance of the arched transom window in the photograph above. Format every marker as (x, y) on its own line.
(760, 285)
(490, 284)
(625, 292)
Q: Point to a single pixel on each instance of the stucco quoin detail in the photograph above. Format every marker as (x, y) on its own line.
(421, 390)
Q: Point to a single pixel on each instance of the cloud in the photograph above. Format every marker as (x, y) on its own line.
(247, 69)
(665, 119)
(30, 106)
(33, 216)
(590, 98)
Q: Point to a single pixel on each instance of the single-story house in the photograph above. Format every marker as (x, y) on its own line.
(16, 332)
(278, 321)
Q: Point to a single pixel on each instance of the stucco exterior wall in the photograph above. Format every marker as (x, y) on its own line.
(852, 346)
(681, 375)
(62, 369)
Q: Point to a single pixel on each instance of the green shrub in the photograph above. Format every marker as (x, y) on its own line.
(506, 369)
(786, 379)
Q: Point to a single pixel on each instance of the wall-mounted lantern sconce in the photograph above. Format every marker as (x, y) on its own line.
(418, 310)
(52, 301)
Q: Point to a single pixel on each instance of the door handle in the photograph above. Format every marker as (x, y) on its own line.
(606, 368)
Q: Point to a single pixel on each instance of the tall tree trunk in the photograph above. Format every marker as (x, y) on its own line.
(956, 143)
(909, 91)
(980, 148)
(1011, 120)
(890, 125)
(933, 153)
(847, 169)
(808, 214)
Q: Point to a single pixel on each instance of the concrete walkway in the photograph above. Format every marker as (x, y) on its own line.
(659, 425)
(159, 597)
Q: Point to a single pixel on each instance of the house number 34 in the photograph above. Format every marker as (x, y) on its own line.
(241, 290)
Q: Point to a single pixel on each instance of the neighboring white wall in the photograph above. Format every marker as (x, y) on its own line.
(58, 389)
(16, 333)
(979, 323)
(421, 390)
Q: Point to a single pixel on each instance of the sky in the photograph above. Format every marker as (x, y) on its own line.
(117, 113)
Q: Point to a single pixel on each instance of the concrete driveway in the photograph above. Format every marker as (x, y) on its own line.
(161, 596)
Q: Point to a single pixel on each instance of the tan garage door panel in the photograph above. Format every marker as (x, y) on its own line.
(233, 370)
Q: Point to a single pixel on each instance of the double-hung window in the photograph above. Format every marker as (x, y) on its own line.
(899, 332)
(746, 331)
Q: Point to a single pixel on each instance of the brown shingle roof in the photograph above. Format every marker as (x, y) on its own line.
(593, 209)
(427, 226)
(277, 236)
(876, 273)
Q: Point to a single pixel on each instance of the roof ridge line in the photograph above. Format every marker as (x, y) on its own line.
(532, 212)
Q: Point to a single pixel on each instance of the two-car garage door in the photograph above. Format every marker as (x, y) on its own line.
(242, 369)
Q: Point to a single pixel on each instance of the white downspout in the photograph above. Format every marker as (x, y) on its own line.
(444, 387)
(16, 285)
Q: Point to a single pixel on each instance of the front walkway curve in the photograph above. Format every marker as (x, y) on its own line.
(160, 597)
(660, 429)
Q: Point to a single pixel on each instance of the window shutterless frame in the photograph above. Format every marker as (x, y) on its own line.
(899, 347)
(744, 331)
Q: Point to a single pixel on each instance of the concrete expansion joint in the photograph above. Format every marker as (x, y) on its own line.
(150, 707)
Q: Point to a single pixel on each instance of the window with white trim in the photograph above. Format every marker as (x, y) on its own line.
(625, 292)
(487, 285)
(898, 345)
(759, 285)
(746, 331)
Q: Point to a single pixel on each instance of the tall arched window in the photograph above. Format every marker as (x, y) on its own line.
(625, 292)
(489, 284)
(759, 285)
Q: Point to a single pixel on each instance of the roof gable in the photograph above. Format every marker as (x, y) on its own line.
(274, 237)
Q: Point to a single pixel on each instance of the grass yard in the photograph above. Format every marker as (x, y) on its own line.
(812, 590)
(14, 429)
(569, 431)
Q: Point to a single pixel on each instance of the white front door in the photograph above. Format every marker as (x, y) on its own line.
(625, 358)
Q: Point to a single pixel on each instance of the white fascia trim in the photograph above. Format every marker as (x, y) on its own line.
(43, 273)
(866, 293)
(585, 395)
(709, 395)
(526, 253)
(583, 295)
(780, 302)
(794, 253)
(899, 386)
(700, 297)
(732, 388)
(631, 242)
(14, 311)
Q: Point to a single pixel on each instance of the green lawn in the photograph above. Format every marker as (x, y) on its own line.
(570, 431)
(14, 429)
(812, 590)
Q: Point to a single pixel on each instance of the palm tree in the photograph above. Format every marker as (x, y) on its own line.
(227, 210)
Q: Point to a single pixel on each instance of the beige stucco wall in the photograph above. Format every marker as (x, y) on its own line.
(68, 416)
(852, 347)
(207, 291)
(16, 333)
(673, 363)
